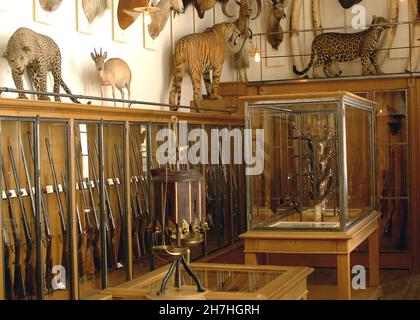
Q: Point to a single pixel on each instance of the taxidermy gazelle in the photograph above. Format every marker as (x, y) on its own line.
(159, 18)
(275, 31)
(113, 72)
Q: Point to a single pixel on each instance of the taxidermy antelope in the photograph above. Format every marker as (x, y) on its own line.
(95, 8)
(114, 72)
(50, 5)
(240, 60)
(275, 34)
(159, 18)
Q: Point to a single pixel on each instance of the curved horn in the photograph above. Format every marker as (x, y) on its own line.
(224, 3)
(259, 7)
(251, 34)
(94, 50)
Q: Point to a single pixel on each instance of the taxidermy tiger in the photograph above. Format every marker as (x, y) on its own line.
(200, 53)
(344, 47)
(38, 54)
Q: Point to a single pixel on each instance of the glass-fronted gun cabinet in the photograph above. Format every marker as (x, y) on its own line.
(78, 213)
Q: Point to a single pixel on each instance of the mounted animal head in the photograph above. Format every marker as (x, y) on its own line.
(99, 59)
(160, 18)
(203, 5)
(346, 4)
(246, 9)
(50, 5)
(18, 57)
(278, 8)
(277, 12)
(245, 12)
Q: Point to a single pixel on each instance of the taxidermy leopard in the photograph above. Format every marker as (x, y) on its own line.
(344, 47)
(38, 54)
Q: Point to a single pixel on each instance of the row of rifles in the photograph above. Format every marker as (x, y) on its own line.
(22, 283)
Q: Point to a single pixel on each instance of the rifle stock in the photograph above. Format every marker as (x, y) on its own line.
(9, 295)
(29, 268)
(47, 225)
(18, 280)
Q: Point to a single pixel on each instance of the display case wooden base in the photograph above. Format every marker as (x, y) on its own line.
(340, 244)
(226, 282)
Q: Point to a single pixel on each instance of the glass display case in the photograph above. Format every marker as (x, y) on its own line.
(319, 157)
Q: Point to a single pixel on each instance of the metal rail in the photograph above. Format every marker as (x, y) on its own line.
(129, 102)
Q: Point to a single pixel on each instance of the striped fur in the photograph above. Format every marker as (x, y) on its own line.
(200, 53)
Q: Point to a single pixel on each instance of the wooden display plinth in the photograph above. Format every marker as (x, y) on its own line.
(340, 244)
(227, 104)
(222, 282)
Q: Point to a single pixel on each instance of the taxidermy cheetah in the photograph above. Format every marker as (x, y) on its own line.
(38, 54)
(344, 47)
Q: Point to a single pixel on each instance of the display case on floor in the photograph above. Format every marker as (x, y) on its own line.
(319, 168)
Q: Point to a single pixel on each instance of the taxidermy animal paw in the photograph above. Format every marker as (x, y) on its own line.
(22, 96)
(216, 97)
(44, 98)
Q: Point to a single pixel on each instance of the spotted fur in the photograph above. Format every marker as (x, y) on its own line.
(38, 54)
(200, 53)
(344, 47)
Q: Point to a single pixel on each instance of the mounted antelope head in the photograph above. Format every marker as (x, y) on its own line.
(160, 18)
(275, 34)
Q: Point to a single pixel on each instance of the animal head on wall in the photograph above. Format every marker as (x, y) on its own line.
(95, 8)
(50, 5)
(277, 12)
(160, 18)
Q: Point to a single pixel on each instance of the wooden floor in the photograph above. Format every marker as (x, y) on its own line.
(396, 284)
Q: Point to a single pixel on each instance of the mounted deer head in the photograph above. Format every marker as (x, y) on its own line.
(275, 34)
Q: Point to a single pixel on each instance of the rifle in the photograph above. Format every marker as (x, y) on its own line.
(389, 226)
(110, 230)
(138, 249)
(48, 234)
(79, 228)
(383, 205)
(65, 254)
(120, 207)
(18, 281)
(7, 273)
(29, 268)
(93, 232)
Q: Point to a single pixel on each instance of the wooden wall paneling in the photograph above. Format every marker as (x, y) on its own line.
(414, 132)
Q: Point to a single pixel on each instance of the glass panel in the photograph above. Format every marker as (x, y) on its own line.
(54, 182)
(140, 193)
(298, 188)
(87, 211)
(223, 280)
(392, 169)
(359, 162)
(115, 214)
(18, 210)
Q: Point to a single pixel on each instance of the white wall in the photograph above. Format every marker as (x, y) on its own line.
(152, 68)
(332, 16)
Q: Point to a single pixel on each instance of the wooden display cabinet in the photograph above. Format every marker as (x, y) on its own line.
(72, 131)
